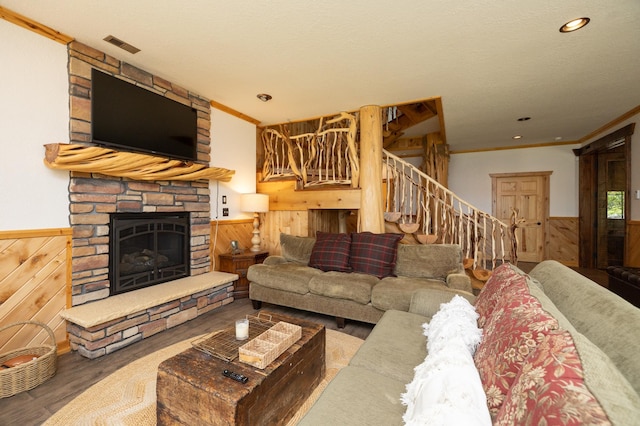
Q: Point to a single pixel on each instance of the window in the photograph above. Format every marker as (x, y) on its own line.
(615, 204)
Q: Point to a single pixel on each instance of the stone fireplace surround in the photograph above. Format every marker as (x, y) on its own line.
(96, 331)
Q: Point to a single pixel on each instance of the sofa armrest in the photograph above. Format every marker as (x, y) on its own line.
(459, 281)
(275, 260)
(426, 302)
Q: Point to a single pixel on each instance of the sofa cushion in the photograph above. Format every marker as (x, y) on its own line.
(427, 301)
(492, 291)
(358, 396)
(374, 254)
(516, 325)
(428, 260)
(394, 347)
(610, 387)
(296, 249)
(606, 319)
(289, 276)
(396, 292)
(536, 291)
(550, 388)
(331, 252)
(341, 285)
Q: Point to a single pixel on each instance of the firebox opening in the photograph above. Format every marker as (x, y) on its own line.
(147, 249)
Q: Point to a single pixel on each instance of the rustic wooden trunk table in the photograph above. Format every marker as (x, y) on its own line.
(191, 389)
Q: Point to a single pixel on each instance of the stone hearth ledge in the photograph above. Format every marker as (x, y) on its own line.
(114, 307)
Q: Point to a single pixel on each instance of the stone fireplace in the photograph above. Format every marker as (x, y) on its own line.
(167, 257)
(94, 197)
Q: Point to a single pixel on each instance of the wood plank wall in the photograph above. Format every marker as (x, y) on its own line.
(223, 232)
(35, 282)
(563, 240)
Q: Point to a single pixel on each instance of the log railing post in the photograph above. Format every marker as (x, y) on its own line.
(371, 215)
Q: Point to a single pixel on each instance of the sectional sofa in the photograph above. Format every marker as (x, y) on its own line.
(555, 348)
(357, 276)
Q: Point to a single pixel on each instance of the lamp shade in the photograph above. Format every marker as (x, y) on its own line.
(254, 203)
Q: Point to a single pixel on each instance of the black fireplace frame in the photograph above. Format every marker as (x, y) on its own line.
(151, 224)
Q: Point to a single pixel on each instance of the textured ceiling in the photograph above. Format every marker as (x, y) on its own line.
(490, 61)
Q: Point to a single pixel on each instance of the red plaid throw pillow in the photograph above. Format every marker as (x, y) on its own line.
(374, 254)
(331, 252)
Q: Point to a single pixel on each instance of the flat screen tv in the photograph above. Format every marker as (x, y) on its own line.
(130, 118)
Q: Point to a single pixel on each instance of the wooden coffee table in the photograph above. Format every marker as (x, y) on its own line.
(192, 390)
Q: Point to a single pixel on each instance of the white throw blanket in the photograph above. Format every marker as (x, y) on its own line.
(446, 388)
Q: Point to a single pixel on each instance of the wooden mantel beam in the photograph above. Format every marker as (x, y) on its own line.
(94, 159)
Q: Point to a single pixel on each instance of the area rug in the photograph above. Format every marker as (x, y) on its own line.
(128, 396)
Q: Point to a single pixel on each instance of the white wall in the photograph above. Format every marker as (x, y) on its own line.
(34, 110)
(635, 161)
(469, 175)
(233, 146)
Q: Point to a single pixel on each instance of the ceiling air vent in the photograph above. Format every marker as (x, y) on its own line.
(121, 44)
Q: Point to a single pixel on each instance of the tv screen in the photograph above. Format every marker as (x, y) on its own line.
(131, 118)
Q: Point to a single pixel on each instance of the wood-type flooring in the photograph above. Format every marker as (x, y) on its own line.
(76, 373)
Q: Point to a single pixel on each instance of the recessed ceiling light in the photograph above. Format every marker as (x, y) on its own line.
(524, 118)
(574, 24)
(516, 137)
(264, 97)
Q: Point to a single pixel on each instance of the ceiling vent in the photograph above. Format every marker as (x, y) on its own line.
(121, 44)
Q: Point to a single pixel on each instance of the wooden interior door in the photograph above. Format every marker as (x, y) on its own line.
(528, 193)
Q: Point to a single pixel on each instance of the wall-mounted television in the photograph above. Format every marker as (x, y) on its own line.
(130, 118)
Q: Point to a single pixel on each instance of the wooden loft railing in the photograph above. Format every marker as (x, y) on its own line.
(327, 156)
(414, 203)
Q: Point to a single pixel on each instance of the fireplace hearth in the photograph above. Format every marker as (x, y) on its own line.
(147, 249)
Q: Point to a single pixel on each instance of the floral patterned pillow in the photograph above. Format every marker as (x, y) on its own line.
(514, 329)
(550, 388)
(500, 281)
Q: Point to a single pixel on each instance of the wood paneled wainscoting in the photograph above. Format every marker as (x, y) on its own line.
(223, 232)
(563, 240)
(632, 258)
(35, 278)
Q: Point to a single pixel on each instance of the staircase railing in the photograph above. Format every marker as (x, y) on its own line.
(414, 203)
(421, 206)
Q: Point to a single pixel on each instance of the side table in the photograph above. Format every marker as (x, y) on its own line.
(238, 264)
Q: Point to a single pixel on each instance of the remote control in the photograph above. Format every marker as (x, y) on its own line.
(235, 376)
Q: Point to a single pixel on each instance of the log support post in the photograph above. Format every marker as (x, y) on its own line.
(371, 216)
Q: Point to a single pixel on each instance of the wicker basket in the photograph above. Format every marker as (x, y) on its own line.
(30, 374)
(268, 346)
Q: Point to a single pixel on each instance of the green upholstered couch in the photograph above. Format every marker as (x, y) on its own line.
(604, 328)
(287, 280)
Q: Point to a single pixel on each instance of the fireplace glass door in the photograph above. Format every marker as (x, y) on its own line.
(147, 249)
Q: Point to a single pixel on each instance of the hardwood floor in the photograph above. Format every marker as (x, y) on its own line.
(76, 373)
(597, 275)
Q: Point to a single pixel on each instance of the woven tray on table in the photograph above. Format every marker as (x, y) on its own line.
(32, 373)
(268, 346)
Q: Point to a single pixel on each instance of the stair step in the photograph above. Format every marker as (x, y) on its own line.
(409, 228)
(392, 217)
(426, 238)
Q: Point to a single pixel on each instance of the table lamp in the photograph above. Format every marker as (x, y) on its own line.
(255, 203)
